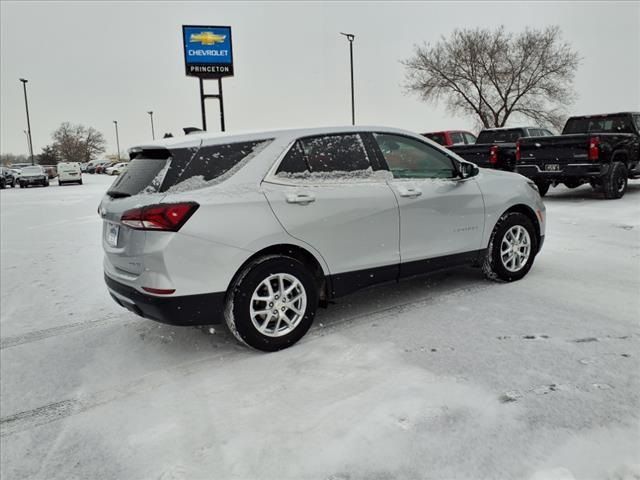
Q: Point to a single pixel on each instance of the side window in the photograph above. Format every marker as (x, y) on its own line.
(535, 132)
(636, 119)
(293, 161)
(470, 138)
(456, 138)
(409, 158)
(334, 154)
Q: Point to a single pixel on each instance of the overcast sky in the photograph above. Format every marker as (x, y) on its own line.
(99, 62)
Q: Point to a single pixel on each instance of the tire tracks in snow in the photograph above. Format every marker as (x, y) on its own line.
(37, 335)
(55, 411)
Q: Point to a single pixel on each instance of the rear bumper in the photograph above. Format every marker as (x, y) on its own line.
(572, 171)
(204, 309)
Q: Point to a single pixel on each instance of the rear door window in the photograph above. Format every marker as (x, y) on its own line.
(470, 139)
(326, 156)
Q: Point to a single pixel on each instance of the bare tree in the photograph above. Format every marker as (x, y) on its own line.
(493, 74)
(77, 143)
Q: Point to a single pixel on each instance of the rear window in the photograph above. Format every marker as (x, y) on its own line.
(499, 136)
(436, 137)
(32, 170)
(161, 170)
(608, 124)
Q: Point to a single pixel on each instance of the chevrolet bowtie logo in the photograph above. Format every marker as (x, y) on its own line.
(207, 38)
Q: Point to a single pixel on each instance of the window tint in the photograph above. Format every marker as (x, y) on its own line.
(182, 169)
(609, 124)
(470, 138)
(294, 161)
(456, 138)
(436, 137)
(326, 154)
(410, 158)
(500, 136)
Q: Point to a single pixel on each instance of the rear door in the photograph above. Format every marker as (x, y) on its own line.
(441, 216)
(327, 192)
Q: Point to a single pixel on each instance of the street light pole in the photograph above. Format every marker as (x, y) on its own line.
(26, 106)
(115, 122)
(351, 37)
(153, 133)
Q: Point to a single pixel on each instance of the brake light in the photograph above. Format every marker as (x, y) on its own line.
(493, 155)
(518, 151)
(169, 217)
(594, 148)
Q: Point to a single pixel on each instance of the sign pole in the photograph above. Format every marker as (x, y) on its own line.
(221, 104)
(202, 98)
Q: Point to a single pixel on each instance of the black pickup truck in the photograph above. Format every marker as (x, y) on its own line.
(603, 150)
(496, 147)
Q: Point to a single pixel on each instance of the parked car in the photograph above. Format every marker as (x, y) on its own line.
(7, 178)
(103, 168)
(265, 227)
(496, 147)
(603, 150)
(116, 169)
(69, 172)
(83, 167)
(52, 171)
(33, 175)
(451, 137)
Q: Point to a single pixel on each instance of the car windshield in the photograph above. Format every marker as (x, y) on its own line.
(602, 124)
(499, 136)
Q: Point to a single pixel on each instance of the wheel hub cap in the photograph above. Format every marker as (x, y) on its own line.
(278, 304)
(515, 248)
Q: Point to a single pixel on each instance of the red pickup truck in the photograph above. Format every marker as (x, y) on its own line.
(451, 137)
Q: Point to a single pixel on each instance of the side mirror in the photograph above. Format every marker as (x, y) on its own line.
(468, 170)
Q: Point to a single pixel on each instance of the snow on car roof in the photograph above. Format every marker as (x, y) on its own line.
(211, 138)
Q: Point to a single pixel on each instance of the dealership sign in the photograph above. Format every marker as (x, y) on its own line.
(207, 51)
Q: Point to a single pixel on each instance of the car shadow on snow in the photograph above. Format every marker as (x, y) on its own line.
(585, 192)
(347, 312)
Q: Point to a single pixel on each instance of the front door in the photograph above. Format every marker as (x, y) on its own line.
(441, 215)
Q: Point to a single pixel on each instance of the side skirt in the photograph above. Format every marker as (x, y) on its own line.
(342, 284)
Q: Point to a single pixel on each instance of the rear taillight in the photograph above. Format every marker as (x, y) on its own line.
(517, 151)
(594, 148)
(168, 217)
(493, 155)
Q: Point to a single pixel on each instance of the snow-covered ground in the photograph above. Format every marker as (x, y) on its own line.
(446, 377)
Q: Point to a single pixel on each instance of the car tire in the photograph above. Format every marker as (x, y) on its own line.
(22, 185)
(80, 182)
(614, 184)
(543, 187)
(60, 183)
(250, 294)
(512, 248)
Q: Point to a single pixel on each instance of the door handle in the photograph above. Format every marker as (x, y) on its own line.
(301, 198)
(410, 192)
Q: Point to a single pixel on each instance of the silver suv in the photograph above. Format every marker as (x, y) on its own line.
(260, 229)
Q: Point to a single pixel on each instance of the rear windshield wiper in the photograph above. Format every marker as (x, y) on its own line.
(116, 194)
